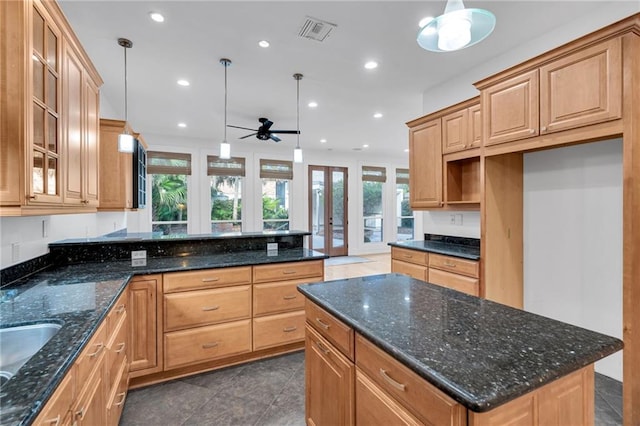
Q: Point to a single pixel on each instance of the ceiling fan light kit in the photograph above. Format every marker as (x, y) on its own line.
(456, 29)
(125, 139)
(225, 147)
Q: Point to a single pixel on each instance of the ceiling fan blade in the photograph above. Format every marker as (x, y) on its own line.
(286, 132)
(248, 136)
(239, 127)
(266, 125)
(274, 138)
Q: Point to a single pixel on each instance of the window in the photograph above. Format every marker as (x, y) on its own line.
(169, 193)
(226, 193)
(373, 179)
(276, 179)
(404, 222)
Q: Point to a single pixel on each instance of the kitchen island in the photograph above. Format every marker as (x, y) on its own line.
(430, 355)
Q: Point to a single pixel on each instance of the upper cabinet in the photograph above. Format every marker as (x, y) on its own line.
(425, 164)
(48, 114)
(575, 90)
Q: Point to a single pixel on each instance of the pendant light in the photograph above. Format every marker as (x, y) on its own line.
(456, 29)
(125, 139)
(297, 152)
(225, 147)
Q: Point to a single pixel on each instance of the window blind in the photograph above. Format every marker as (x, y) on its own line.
(168, 163)
(234, 166)
(402, 176)
(276, 169)
(374, 174)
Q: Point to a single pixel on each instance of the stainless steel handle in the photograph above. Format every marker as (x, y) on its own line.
(544, 128)
(209, 345)
(100, 347)
(392, 382)
(80, 413)
(408, 256)
(322, 348)
(122, 398)
(120, 309)
(323, 324)
(54, 422)
(289, 329)
(210, 280)
(289, 297)
(289, 272)
(531, 131)
(447, 263)
(210, 308)
(122, 346)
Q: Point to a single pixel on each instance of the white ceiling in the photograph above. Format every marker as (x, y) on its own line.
(196, 34)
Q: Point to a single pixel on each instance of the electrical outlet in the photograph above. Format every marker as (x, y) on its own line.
(45, 228)
(15, 252)
(272, 246)
(452, 219)
(139, 262)
(459, 219)
(139, 254)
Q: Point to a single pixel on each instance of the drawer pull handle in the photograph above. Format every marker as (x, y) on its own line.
(323, 324)
(449, 264)
(289, 297)
(210, 308)
(100, 346)
(122, 398)
(210, 280)
(209, 345)
(80, 413)
(290, 329)
(54, 422)
(322, 348)
(121, 345)
(289, 272)
(408, 256)
(392, 382)
(120, 309)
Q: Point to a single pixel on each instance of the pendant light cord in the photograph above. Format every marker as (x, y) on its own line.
(126, 109)
(298, 111)
(226, 65)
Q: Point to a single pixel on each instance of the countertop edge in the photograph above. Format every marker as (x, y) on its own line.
(435, 250)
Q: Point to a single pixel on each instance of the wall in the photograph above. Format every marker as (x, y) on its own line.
(573, 239)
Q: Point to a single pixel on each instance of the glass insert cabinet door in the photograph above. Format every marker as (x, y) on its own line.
(328, 209)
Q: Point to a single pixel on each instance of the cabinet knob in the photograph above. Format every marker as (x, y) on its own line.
(32, 197)
(531, 131)
(544, 128)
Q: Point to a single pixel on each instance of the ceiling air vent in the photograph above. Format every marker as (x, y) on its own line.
(316, 29)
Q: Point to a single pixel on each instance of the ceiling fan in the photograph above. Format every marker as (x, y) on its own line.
(264, 132)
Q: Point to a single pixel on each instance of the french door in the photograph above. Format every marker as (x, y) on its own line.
(328, 210)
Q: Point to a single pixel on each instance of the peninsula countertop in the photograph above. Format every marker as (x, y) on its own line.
(481, 353)
(78, 297)
(440, 247)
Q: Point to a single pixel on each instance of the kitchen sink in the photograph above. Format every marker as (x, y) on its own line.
(18, 344)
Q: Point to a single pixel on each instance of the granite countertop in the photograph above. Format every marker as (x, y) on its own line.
(78, 297)
(481, 353)
(440, 247)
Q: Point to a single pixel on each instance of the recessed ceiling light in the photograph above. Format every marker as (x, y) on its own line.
(377, 115)
(184, 83)
(156, 16)
(263, 43)
(371, 65)
(313, 104)
(183, 125)
(424, 21)
(365, 145)
(323, 141)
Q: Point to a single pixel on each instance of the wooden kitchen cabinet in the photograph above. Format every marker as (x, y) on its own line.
(425, 164)
(146, 317)
(58, 408)
(91, 405)
(373, 406)
(410, 262)
(48, 114)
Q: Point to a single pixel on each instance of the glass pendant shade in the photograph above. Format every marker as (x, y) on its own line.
(456, 29)
(125, 142)
(225, 150)
(297, 155)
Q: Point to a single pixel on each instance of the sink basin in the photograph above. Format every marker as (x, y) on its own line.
(18, 344)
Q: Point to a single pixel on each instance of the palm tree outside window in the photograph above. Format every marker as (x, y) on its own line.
(226, 181)
(169, 191)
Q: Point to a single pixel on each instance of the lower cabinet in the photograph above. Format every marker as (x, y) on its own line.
(374, 406)
(414, 263)
(145, 320)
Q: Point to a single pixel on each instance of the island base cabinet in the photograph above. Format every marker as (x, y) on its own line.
(373, 406)
(145, 316)
(567, 401)
(329, 383)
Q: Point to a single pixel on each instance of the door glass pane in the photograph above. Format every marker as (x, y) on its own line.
(38, 79)
(52, 132)
(372, 211)
(52, 91)
(52, 172)
(38, 172)
(52, 49)
(337, 214)
(317, 209)
(404, 227)
(38, 32)
(38, 125)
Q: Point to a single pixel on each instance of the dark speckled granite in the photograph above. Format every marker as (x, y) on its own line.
(441, 247)
(481, 353)
(79, 296)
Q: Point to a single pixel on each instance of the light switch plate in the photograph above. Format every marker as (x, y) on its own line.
(139, 262)
(138, 254)
(272, 246)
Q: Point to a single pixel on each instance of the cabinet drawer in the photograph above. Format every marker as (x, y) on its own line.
(276, 330)
(330, 328)
(288, 271)
(416, 271)
(208, 278)
(195, 308)
(59, 404)
(91, 354)
(426, 402)
(457, 282)
(454, 264)
(277, 297)
(411, 256)
(117, 312)
(117, 347)
(118, 394)
(373, 406)
(206, 343)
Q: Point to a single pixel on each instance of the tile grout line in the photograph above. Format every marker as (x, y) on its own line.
(275, 398)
